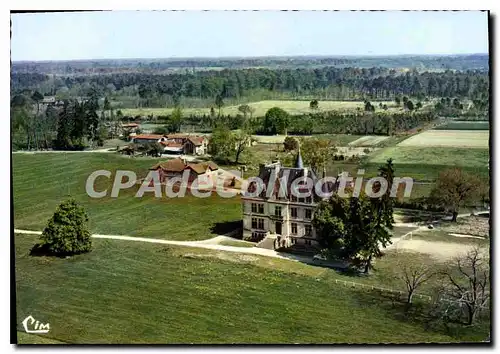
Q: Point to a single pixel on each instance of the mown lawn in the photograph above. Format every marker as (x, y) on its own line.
(25, 338)
(146, 293)
(42, 181)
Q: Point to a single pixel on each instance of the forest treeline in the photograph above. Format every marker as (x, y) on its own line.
(154, 90)
(432, 62)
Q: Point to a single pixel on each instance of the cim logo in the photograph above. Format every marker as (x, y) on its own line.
(33, 326)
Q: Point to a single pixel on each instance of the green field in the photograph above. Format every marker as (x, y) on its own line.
(128, 292)
(465, 125)
(452, 156)
(261, 107)
(25, 338)
(42, 181)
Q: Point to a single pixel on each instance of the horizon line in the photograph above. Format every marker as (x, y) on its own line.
(333, 56)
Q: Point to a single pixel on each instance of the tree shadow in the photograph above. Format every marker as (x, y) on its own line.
(228, 228)
(39, 250)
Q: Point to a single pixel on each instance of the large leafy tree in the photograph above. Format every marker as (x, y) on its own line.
(316, 152)
(221, 143)
(356, 229)
(175, 120)
(454, 189)
(67, 232)
(276, 121)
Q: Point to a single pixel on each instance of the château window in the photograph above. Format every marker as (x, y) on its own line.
(301, 200)
(261, 208)
(308, 213)
(294, 198)
(277, 211)
(254, 208)
(308, 230)
(294, 228)
(260, 224)
(294, 212)
(254, 223)
(309, 200)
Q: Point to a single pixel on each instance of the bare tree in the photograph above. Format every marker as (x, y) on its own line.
(469, 282)
(413, 275)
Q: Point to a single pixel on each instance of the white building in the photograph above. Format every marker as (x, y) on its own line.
(282, 216)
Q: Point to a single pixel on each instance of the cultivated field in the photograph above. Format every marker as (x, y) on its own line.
(465, 125)
(449, 138)
(42, 181)
(451, 156)
(131, 292)
(369, 140)
(261, 107)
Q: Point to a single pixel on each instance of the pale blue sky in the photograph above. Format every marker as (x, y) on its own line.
(163, 34)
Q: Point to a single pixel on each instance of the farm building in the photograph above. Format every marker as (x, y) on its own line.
(148, 138)
(176, 167)
(196, 145)
(175, 143)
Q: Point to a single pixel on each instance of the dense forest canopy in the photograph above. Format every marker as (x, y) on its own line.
(328, 81)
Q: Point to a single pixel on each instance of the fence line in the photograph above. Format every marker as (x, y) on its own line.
(373, 287)
(400, 292)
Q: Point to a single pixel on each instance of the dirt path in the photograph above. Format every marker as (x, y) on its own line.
(207, 244)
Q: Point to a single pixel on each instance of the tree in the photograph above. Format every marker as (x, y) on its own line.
(314, 104)
(454, 188)
(348, 229)
(219, 103)
(37, 97)
(291, 143)
(66, 232)
(369, 107)
(418, 105)
(468, 282)
(385, 107)
(276, 120)
(153, 149)
(413, 274)
(221, 143)
(175, 120)
(316, 152)
(241, 140)
(409, 105)
(244, 109)
(397, 99)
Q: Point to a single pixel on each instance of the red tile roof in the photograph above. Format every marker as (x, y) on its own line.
(178, 165)
(148, 136)
(175, 165)
(196, 140)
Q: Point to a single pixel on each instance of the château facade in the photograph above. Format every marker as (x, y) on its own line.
(282, 216)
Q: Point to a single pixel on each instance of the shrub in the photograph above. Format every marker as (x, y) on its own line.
(67, 232)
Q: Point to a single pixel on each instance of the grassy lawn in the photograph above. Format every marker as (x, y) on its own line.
(42, 181)
(444, 236)
(237, 243)
(25, 338)
(145, 293)
(261, 107)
